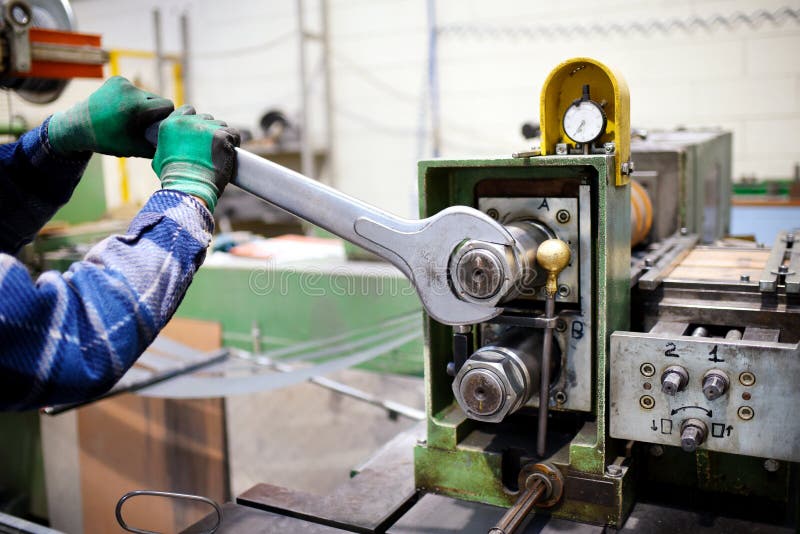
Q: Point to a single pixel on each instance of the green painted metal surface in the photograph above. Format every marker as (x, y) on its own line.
(450, 462)
(301, 303)
(88, 202)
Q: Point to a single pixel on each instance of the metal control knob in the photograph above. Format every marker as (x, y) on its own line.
(674, 379)
(715, 384)
(693, 434)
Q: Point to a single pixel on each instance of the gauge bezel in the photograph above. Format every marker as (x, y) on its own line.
(598, 107)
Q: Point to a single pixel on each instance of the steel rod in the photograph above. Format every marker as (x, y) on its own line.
(515, 515)
(544, 387)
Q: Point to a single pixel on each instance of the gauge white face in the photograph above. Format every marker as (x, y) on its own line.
(584, 122)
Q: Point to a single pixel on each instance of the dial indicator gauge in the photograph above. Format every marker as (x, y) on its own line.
(584, 121)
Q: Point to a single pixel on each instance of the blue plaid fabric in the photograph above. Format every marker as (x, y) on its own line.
(66, 337)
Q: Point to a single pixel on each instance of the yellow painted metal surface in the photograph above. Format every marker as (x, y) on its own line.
(564, 85)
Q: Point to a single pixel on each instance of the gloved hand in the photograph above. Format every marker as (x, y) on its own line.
(111, 121)
(195, 154)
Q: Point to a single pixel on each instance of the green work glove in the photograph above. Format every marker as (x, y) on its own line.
(196, 154)
(111, 121)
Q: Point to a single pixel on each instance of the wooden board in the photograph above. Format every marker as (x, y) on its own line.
(131, 442)
(721, 265)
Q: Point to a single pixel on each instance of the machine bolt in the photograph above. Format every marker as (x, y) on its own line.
(647, 369)
(674, 379)
(789, 239)
(747, 378)
(771, 465)
(783, 269)
(684, 231)
(21, 14)
(482, 391)
(628, 168)
(562, 216)
(561, 149)
(745, 413)
(693, 434)
(648, 262)
(613, 470)
(744, 278)
(656, 451)
(715, 384)
(609, 148)
(462, 328)
(480, 273)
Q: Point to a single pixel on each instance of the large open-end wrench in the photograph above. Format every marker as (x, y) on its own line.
(428, 251)
(422, 249)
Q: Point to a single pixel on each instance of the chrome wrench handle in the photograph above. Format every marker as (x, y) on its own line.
(421, 249)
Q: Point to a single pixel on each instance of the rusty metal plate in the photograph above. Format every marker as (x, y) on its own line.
(381, 492)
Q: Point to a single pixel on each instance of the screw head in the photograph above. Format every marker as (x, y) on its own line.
(493, 213)
(771, 465)
(561, 149)
(562, 216)
(613, 470)
(744, 278)
(609, 148)
(480, 273)
(560, 397)
(563, 291)
(647, 369)
(647, 402)
(656, 451)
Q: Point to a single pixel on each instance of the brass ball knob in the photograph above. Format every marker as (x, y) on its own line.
(553, 256)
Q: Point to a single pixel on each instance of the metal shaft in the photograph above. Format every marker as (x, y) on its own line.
(544, 387)
(515, 515)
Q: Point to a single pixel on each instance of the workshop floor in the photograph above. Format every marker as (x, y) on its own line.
(308, 438)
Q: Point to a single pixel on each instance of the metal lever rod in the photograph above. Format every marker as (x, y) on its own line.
(541, 485)
(421, 249)
(515, 515)
(553, 255)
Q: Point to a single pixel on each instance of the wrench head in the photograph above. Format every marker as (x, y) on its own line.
(425, 252)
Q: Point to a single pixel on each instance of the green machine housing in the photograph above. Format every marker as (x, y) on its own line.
(576, 198)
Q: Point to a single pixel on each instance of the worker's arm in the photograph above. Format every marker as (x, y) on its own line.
(68, 337)
(34, 183)
(39, 172)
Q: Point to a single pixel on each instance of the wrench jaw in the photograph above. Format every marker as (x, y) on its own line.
(424, 251)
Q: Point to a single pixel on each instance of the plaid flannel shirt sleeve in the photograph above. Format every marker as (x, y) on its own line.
(71, 336)
(34, 183)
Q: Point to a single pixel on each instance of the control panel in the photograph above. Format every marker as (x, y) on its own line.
(720, 394)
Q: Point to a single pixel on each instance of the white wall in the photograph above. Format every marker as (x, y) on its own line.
(244, 61)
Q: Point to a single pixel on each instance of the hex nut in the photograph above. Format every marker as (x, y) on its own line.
(505, 371)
